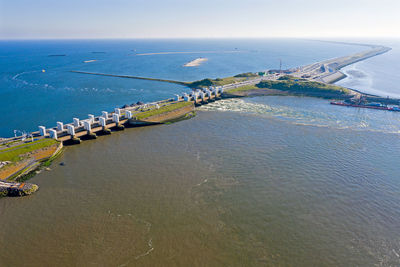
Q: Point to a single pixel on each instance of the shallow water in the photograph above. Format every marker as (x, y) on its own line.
(377, 75)
(232, 188)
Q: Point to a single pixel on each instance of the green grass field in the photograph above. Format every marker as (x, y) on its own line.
(227, 80)
(302, 86)
(222, 81)
(297, 86)
(161, 110)
(14, 153)
(243, 88)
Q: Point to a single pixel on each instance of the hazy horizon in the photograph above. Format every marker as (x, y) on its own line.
(178, 19)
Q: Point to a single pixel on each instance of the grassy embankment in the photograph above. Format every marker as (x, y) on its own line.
(222, 81)
(288, 85)
(18, 155)
(161, 110)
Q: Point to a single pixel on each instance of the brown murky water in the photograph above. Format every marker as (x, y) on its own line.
(222, 189)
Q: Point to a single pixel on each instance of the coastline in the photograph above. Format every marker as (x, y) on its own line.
(318, 83)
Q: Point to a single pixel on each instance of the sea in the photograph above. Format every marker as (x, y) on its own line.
(261, 181)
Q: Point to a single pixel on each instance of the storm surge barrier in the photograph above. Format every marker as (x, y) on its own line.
(134, 114)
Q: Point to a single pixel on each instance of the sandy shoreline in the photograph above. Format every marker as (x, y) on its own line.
(187, 52)
(196, 62)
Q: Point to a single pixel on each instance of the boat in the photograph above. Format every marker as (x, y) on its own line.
(372, 105)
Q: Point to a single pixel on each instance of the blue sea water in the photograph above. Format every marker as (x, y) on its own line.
(39, 89)
(378, 75)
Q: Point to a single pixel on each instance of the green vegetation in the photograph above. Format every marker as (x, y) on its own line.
(32, 188)
(48, 162)
(161, 110)
(25, 174)
(305, 87)
(3, 192)
(246, 75)
(14, 153)
(218, 81)
(243, 88)
(227, 80)
(222, 81)
(201, 83)
(27, 189)
(184, 117)
(295, 86)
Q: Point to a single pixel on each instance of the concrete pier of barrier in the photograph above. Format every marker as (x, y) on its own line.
(92, 126)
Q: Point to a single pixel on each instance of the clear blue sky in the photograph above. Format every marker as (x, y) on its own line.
(29, 19)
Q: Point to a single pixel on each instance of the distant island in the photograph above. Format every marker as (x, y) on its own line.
(196, 62)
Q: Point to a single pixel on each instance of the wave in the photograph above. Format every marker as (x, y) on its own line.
(27, 83)
(147, 225)
(309, 115)
(15, 77)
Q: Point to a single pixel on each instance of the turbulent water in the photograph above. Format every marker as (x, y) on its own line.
(312, 112)
(263, 181)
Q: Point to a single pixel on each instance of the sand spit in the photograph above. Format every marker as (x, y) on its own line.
(88, 61)
(196, 62)
(189, 52)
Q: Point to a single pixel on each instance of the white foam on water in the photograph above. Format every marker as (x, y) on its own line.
(150, 244)
(375, 121)
(148, 230)
(18, 79)
(203, 182)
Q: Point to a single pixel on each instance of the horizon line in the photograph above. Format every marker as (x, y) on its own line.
(196, 38)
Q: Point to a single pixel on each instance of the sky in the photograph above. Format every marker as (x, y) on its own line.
(53, 19)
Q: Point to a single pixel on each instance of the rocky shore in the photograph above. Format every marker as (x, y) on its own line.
(10, 189)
